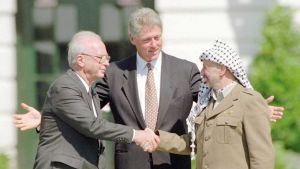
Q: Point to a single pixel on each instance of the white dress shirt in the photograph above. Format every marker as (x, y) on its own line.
(141, 77)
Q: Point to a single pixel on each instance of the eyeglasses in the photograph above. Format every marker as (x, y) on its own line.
(101, 58)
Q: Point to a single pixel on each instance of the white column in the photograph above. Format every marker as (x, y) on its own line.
(8, 84)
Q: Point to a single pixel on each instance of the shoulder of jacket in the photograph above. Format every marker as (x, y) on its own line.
(247, 93)
(250, 93)
(177, 59)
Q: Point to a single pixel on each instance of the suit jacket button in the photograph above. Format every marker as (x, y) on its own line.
(207, 125)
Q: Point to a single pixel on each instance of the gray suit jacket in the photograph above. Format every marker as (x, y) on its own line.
(69, 130)
(179, 87)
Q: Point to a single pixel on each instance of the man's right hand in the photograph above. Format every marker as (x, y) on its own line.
(146, 139)
(29, 120)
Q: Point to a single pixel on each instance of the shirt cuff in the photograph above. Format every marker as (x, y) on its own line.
(133, 135)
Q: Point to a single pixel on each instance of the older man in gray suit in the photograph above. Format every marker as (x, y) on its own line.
(71, 122)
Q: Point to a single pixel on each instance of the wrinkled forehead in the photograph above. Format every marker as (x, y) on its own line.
(93, 44)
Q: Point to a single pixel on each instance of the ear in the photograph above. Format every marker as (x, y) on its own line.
(223, 70)
(131, 39)
(80, 61)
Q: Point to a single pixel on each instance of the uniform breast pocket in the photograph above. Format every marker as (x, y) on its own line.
(227, 130)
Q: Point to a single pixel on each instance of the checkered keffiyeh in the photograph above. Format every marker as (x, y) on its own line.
(223, 54)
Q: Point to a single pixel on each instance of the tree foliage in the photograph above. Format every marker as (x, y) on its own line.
(3, 161)
(276, 71)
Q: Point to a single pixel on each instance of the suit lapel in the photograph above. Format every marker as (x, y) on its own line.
(97, 106)
(78, 82)
(165, 89)
(227, 102)
(129, 88)
(208, 109)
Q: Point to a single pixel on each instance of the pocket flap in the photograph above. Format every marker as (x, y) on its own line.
(70, 161)
(227, 121)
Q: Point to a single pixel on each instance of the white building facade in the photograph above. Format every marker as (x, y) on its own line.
(190, 26)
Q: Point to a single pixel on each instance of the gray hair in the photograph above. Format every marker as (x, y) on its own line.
(76, 46)
(143, 17)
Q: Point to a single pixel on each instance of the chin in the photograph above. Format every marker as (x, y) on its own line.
(100, 75)
(154, 57)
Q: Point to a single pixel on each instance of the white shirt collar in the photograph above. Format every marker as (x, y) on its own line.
(141, 63)
(84, 83)
(220, 94)
(87, 90)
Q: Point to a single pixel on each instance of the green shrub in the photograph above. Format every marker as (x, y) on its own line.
(3, 161)
(276, 71)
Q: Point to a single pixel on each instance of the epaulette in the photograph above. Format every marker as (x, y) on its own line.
(249, 91)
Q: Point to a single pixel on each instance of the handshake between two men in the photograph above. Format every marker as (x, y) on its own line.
(146, 139)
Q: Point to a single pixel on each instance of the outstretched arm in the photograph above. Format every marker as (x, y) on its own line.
(29, 120)
(275, 112)
(173, 143)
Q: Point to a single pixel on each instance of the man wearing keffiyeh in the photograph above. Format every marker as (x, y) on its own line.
(230, 126)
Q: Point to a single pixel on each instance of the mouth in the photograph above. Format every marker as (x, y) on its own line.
(154, 52)
(102, 70)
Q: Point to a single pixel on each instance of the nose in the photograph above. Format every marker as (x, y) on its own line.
(106, 63)
(153, 42)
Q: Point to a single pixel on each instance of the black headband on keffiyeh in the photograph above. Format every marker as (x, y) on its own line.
(220, 53)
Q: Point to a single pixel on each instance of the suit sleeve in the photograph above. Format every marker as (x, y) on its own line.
(69, 105)
(195, 79)
(258, 133)
(173, 143)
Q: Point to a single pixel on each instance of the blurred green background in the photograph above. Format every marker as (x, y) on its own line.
(275, 71)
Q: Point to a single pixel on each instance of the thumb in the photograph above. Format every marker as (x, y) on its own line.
(270, 99)
(25, 106)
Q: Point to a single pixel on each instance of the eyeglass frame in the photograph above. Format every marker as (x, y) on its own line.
(101, 58)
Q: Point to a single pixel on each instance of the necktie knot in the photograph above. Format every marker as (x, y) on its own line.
(149, 66)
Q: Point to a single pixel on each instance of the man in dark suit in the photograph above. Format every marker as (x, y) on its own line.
(71, 123)
(177, 84)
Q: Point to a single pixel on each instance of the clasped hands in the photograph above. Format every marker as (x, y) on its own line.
(146, 139)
